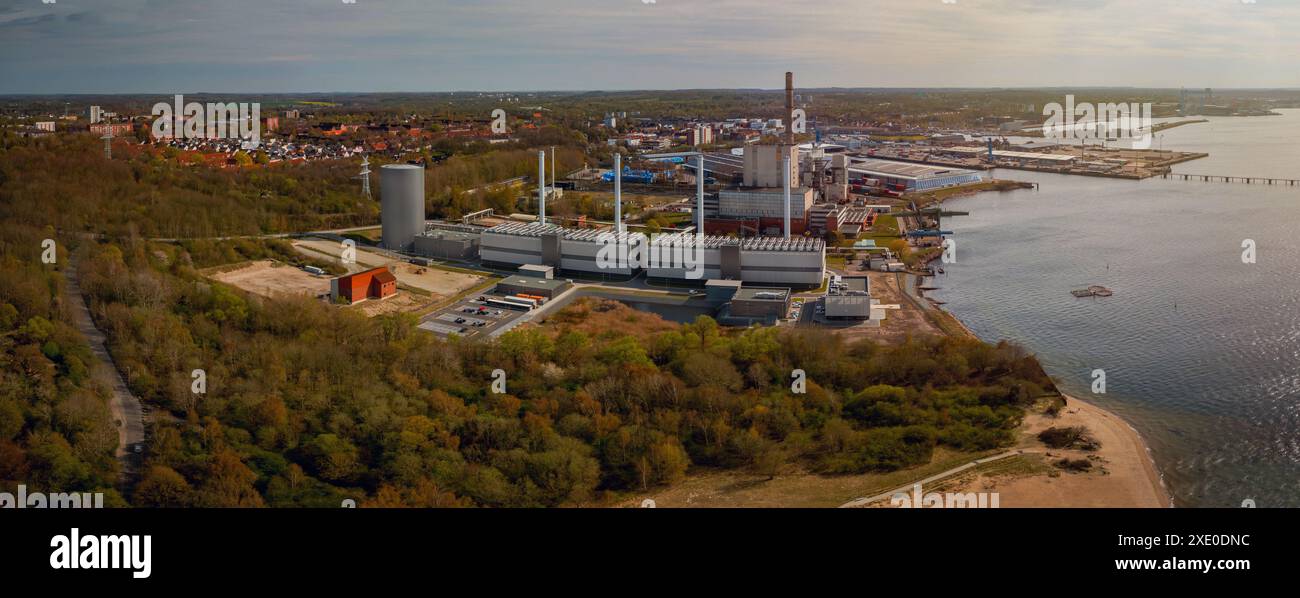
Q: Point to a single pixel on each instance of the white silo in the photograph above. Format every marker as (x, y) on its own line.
(402, 205)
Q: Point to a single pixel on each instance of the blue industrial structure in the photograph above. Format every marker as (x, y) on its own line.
(633, 176)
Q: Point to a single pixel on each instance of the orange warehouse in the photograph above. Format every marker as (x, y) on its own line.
(371, 284)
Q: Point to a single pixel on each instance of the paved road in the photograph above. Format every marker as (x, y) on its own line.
(333, 231)
(864, 501)
(127, 412)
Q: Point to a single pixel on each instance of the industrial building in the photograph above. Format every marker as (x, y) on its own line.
(376, 283)
(763, 165)
(721, 291)
(1033, 158)
(780, 184)
(849, 297)
(764, 203)
(760, 302)
(847, 220)
(681, 256)
(799, 261)
(402, 205)
(527, 285)
(546, 272)
(446, 244)
(905, 176)
(514, 244)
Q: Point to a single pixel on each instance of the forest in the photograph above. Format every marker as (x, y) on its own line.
(64, 182)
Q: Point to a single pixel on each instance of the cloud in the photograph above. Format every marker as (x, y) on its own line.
(386, 45)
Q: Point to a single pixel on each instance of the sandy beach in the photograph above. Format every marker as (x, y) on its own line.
(1124, 474)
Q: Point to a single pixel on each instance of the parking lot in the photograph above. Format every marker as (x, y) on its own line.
(807, 311)
(469, 318)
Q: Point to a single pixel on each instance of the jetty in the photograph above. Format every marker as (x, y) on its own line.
(1218, 178)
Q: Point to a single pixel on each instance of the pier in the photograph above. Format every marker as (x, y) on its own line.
(1215, 178)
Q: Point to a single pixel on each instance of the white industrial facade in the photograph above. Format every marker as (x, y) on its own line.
(914, 177)
(768, 203)
(799, 261)
(681, 256)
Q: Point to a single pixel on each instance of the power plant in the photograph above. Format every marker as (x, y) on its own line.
(750, 274)
(401, 205)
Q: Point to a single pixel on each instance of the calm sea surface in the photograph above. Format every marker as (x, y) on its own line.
(1201, 351)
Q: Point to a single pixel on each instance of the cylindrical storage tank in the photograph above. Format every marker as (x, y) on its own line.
(402, 206)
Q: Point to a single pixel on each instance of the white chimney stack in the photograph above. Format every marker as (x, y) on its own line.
(699, 194)
(541, 187)
(618, 192)
(785, 177)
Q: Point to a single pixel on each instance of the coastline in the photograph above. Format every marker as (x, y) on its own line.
(1134, 443)
(1130, 479)
(1121, 473)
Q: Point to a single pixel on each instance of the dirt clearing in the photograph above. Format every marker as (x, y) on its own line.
(270, 278)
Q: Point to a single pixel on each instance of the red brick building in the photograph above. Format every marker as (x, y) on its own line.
(371, 284)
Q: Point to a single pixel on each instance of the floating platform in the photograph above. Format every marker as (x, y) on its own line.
(1092, 291)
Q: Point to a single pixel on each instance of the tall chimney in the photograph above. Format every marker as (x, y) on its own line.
(618, 193)
(789, 108)
(541, 186)
(699, 194)
(785, 177)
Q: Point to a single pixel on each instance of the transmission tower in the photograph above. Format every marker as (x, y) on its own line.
(365, 176)
(108, 141)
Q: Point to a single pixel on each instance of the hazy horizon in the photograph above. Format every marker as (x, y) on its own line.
(802, 89)
(410, 46)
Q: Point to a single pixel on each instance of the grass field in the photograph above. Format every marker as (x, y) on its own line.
(795, 488)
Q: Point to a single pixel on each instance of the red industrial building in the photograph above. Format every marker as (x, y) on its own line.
(371, 284)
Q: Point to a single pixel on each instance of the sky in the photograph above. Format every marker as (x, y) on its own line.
(293, 46)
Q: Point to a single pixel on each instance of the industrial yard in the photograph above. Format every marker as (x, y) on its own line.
(1042, 156)
(270, 278)
(437, 282)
